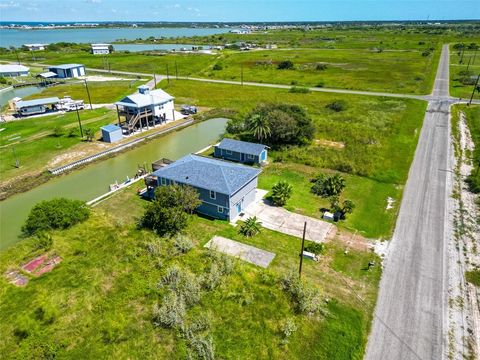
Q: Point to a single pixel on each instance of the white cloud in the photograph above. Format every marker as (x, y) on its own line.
(93, 1)
(9, 5)
(193, 9)
(32, 8)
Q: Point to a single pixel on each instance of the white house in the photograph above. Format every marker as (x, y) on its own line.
(100, 49)
(13, 70)
(35, 47)
(145, 108)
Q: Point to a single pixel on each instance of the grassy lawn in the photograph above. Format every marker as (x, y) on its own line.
(98, 302)
(401, 72)
(37, 145)
(457, 88)
(100, 92)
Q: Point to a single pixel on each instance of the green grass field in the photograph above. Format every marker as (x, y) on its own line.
(98, 302)
(37, 145)
(100, 92)
(470, 64)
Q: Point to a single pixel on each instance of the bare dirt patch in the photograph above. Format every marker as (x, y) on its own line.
(328, 143)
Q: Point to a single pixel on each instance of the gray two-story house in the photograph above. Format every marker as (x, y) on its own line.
(225, 189)
(241, 151)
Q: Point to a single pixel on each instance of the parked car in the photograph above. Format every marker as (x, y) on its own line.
(188, 110)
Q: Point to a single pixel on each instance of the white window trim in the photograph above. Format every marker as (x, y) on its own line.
(228, 152)
(249, 156)
(220, 209)
(214, 195)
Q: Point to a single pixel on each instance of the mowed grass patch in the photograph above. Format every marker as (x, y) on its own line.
(37, 145)
(400, 72)
(370, 217)
(101, 92)
(98, 301)
(469, 63)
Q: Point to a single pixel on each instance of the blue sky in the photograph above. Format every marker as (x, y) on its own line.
(241, 10)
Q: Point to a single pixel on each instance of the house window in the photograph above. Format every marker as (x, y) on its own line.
(164, 181)
(213, 195)
(228, 152)
(250, 156)
(220, 209)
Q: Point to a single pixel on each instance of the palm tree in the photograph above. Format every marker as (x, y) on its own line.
(347, 208)
(335, 184)
(250, 227)
(90, 134)
(259, 126)
(281, 192)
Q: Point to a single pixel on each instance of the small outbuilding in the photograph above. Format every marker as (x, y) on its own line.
(100, 49)
(68, 70)
(35, 47)
(37, 106)
(111, 133)
(13, 70)
(241, 151)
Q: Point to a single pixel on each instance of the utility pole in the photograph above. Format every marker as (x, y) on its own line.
(155, 80)
(474, 56)
(474, 88)
(461, 55)
(79, 122)
(176, 70)
(88, 93)
(468, 66)
(17, 162)
(168, 75)
(241, 73)
(301, 252)
(18, 58)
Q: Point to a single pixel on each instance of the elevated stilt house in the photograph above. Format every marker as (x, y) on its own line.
(145, 109)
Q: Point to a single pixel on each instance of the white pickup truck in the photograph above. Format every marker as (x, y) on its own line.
(67, 104)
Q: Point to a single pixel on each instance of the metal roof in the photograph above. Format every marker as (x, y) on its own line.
(110, 128)
(47, 74)
(241, 146)
(13, 68)
(154, 97)
(65, 66)
(210, 174)
(36, 102)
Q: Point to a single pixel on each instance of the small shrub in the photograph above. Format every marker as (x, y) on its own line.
(201, 347)
(281, 192)
(337, 106)
(217, 67)
(72, 132)
(89, 133)
(289, 327)
(212, 278)
(327, 186)
(299, 90)
(183, 283)
(55, 214)
(473, 277)
(43, 241)
(306, 298)
(320, 84)
(426, 53)
(321, 67)
(315, 248)
(251, 227)
(171, 313)
(285, 65)
(58, 131)
(182, 243)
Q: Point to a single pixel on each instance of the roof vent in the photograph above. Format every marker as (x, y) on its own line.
(144, 89)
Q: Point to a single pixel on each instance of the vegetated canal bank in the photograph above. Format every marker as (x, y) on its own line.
(94, 180)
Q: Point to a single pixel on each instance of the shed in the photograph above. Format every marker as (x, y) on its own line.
(100, 49)
(241, 151)
(328, 216)
(47, 75)
(68, 70)
(13, 70)
(37, 106)
(111, 133)
(225, 189)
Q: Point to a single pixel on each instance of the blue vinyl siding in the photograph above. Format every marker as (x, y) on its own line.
(239, 157)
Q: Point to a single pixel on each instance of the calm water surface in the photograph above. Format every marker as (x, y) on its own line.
(92, 181)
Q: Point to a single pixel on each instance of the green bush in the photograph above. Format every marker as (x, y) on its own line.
(305, 297)
(473, 277)
(285, 65)
(55, 214)
(315, 248)
(328, 185)
(337, 106)
(170, 313)
(217, 67)
(281, 192)
(250, 227)
(182, 243)
(299, 90)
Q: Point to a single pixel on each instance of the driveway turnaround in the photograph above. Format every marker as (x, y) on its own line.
(410, 311)
(245, 252)
(281, 220)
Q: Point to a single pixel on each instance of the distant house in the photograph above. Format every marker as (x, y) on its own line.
(100, 49)
(13, 70)
(241, 151)
(226, 189)
(35, 47)
(68, 70)
(145, 108)
(111, 133)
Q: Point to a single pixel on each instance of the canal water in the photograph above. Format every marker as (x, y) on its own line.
(94, 180)
(14, 37)
(8, 94)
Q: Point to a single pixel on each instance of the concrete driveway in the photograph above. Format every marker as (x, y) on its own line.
(281, 220)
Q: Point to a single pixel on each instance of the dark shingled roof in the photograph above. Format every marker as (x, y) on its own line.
(210, 174)
(241, 146)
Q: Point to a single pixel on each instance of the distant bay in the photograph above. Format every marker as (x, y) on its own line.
(17, 37)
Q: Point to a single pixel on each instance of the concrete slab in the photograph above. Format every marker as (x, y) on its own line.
(245, 252)
(284, 221)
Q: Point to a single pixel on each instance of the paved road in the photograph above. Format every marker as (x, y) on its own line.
(409, 319)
